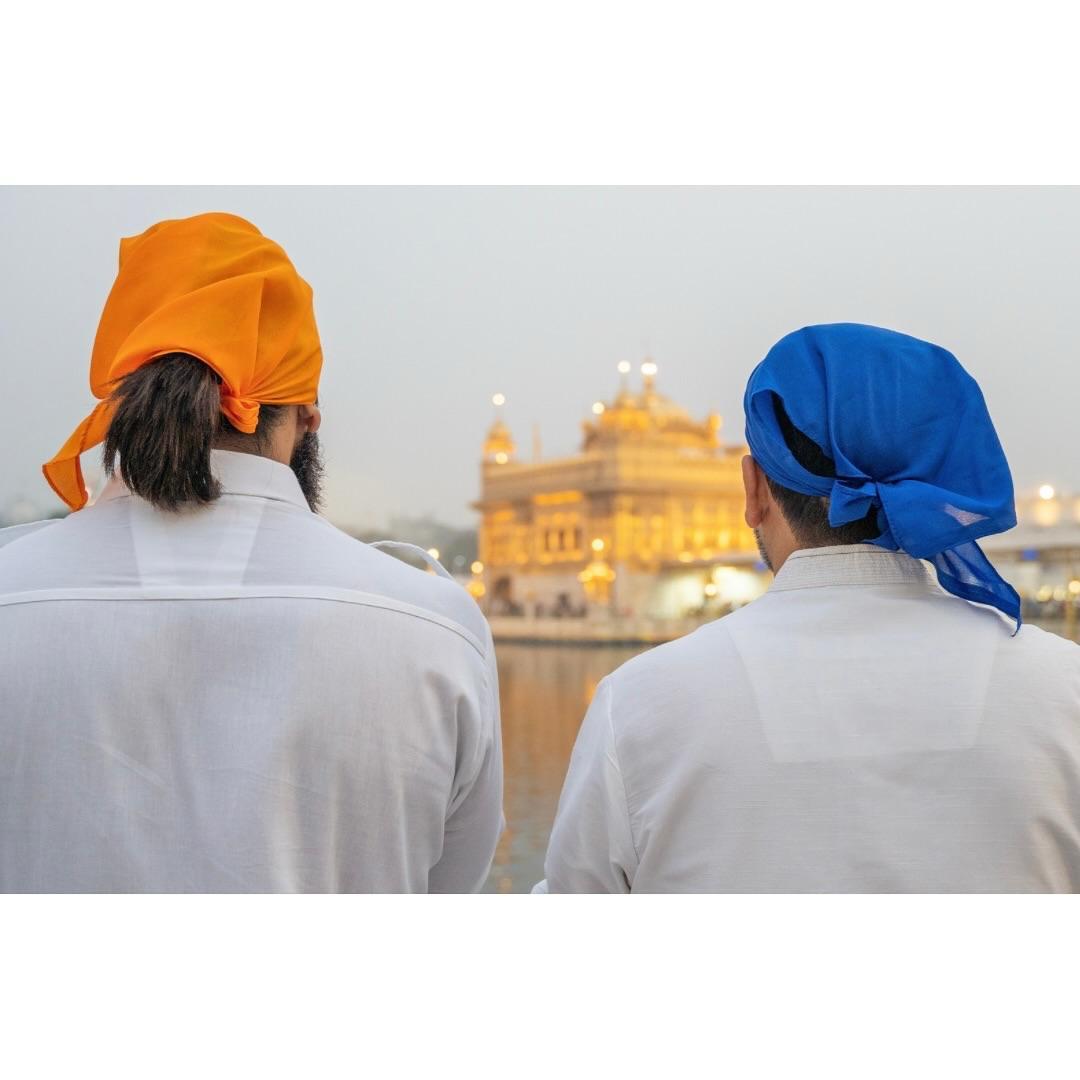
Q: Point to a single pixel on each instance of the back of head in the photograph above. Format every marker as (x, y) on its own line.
(808, 515)
(207, 331)
(865, 434)
(166, 419)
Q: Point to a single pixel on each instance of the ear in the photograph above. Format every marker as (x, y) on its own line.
(308, 420)
(756, 490)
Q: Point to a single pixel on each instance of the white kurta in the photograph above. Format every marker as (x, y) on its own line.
(241, 698)
(856, 729)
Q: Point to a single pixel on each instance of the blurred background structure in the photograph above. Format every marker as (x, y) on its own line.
(622, 540)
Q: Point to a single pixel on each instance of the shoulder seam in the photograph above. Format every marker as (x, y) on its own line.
(343, 596)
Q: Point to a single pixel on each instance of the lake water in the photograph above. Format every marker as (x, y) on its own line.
(544, 691)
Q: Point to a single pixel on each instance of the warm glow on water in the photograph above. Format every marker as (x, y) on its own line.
(544, 691)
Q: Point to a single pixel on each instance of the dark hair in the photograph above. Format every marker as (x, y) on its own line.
(808, 515)
(167, 418)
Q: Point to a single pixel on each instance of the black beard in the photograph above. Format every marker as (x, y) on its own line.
(307, 463)
(762, 552)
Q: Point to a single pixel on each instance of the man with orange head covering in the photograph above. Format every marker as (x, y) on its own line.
(204, 686)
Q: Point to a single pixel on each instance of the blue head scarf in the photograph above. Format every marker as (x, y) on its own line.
(910, 435)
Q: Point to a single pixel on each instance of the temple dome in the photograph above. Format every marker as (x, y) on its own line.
(651, 416)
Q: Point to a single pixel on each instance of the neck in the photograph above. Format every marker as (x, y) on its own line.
(776, 542)
(273, 449)
(779, 553)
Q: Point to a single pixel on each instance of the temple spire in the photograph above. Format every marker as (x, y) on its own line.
(648, 374)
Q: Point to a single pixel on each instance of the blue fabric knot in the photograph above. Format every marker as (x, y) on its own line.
(851, 499)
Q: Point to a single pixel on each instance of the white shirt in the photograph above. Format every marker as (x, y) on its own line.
(239, 699)
(856, 729)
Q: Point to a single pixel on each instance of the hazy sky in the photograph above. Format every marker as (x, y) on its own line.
(431, 299)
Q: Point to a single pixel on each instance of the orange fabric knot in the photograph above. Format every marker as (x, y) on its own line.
(213, 287)
(242, 413)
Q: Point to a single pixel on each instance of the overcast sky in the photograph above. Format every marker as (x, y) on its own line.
(431, 299)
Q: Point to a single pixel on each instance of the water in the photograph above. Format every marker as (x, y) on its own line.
(544, 691)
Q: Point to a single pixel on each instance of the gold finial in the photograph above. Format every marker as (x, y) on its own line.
(648, 372)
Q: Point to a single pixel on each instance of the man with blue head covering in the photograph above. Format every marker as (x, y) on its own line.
(886, 435)
(878, 721)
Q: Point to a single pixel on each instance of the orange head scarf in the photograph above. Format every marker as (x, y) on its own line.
(214, 287)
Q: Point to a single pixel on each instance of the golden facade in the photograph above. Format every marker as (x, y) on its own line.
(652, 493)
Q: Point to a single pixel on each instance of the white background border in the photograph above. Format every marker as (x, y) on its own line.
(554, 93)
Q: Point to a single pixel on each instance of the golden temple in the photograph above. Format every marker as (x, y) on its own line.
(645, 521)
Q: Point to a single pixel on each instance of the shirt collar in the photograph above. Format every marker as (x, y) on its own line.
(238, 474)
(850, 564)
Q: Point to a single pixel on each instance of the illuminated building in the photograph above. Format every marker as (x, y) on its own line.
(639, 523)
